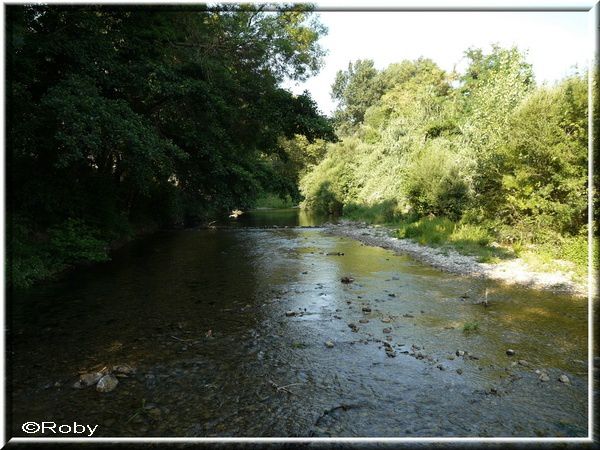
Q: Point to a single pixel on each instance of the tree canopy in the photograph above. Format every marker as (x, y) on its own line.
(124, 115)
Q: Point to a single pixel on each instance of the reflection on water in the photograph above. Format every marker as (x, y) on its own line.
(260, 372)
(288, 217)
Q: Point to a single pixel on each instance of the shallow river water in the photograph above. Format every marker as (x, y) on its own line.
(201, 315)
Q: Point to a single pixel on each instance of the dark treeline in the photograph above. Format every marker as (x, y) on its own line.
(121, 118)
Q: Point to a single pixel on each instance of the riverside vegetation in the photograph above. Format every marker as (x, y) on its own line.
(128, 118)
(485, 161)
(147, 117)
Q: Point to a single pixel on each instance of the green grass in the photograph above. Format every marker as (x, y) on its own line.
(470, 327)
(466, 239)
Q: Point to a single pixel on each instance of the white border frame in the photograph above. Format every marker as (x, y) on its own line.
(593, 9)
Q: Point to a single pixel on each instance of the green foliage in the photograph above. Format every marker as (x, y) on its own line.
(470, 327)
(465, 160)
(435, 184)
(74, 242)
(269, 200)
(124, 115)
(382, 213)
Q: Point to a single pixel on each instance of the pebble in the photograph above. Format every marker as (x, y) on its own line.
(510, 352)
(460, 353)
(386, 320)
(391, 295)
(564, 379)
(387, 330)
(544, 377)
(459, 371)
(364, 321)
(329, 344)
(441, 367)
(290, 313)
(89, 379)
(107, 383)
(366, 309)
(524, 363)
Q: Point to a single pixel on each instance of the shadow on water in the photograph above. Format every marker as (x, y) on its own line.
(287, 217)
(228, 329)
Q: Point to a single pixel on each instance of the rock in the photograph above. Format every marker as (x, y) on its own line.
(544, 377)
(290, 313)
(451, 357)
(329, 344)
(510, 352)
(78, 385)
(353, 327)
(363, 321)
(408, 315)
(107, 383)
(459, 371)
(387, 330)
(304, 273)
(460, 353)
(386, 320)
(90, 379)
(564, 379)
(154, 413)
(124, 369)
(388, 338)
(366, 309)
(441, 367)
(391, 295)
(347, 280)
(523, 363)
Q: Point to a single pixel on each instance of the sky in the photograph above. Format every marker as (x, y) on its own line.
(555, 42)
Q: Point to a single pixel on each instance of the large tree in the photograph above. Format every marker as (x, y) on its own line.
(121, 114)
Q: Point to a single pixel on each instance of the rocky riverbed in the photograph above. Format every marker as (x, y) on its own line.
(294, 332)
(512, 271)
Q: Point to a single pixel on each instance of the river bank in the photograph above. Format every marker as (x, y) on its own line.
(512, 271)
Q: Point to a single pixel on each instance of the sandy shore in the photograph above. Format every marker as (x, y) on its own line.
(513, 271)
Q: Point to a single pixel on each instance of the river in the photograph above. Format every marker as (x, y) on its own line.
(244, 331)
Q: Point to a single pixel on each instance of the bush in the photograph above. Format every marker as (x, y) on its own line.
(435, 184)
(74, 242)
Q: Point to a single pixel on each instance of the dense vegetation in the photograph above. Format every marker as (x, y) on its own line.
(479, 159)
(132, 117)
